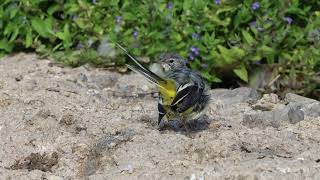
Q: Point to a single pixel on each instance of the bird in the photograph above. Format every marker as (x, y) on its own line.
(183, 93)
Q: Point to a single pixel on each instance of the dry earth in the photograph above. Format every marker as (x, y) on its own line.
(85, 123)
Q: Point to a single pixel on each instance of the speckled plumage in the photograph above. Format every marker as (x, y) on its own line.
(183, 92)
(190, 86)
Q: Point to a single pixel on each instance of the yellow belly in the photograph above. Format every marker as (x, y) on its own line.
(168, 92)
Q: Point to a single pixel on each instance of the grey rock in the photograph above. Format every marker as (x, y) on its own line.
(291, 113)
(238, 95)
(262, 119)
(312, 110)
(310, 107)
(290, 97)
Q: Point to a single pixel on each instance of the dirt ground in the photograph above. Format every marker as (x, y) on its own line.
(86, 123)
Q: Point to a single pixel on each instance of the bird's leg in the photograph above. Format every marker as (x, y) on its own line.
(185, 125)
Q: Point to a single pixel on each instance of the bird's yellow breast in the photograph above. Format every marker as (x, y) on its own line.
(168, 92)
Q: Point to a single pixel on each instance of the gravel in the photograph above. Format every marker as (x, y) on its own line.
(86, 123)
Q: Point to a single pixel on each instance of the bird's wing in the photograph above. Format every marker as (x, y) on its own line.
(187, 96)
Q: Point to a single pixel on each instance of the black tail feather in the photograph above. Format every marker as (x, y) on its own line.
(140, 68)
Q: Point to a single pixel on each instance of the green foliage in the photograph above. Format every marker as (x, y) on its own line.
(219, 37)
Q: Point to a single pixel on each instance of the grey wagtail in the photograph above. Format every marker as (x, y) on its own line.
(183, 94)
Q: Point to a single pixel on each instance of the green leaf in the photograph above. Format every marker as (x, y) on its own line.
(225, 53)
(241, 72)
(53, 8)
(5, 45)
(28, 41)
(231, 55)
(187, 5)
(248, 38)
(210, 77)
(13, 12)
(237, 53)
(266, 50)
(14, 34)
(65, 36)
(42, 26)
(176, 36)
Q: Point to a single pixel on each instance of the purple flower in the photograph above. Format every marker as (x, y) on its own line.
(135, 34)
(288, 19)
(255, 5)
(118, 19)
(194, 50)
(218, 2)
(170, 5)
(191, 57)
(253, 24)
(196, 36)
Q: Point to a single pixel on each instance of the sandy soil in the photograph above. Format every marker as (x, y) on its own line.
(85, 123)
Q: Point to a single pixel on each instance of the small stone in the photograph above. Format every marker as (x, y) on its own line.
(5, 102)
(54, 177)
(67, 119)
(145, 88)
(144, 59)
(272, 98)
(18, 78)
(295, 115)
(122, 69)
(27, 115)
(92, 92)
(123, 88)
(128, 169)
(193, 177)
(103, 80)
(83, 77)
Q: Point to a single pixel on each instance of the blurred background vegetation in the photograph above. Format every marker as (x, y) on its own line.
(273, 46)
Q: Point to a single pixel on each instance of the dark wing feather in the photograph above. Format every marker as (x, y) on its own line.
(186, 98)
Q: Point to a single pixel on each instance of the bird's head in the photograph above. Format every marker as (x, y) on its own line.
(171, 61)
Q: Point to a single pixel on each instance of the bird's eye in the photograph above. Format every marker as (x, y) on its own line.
(171, 61)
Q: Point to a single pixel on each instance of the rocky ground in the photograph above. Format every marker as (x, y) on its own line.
(85, 123)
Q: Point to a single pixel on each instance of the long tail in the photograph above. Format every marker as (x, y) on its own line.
(139, 68)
